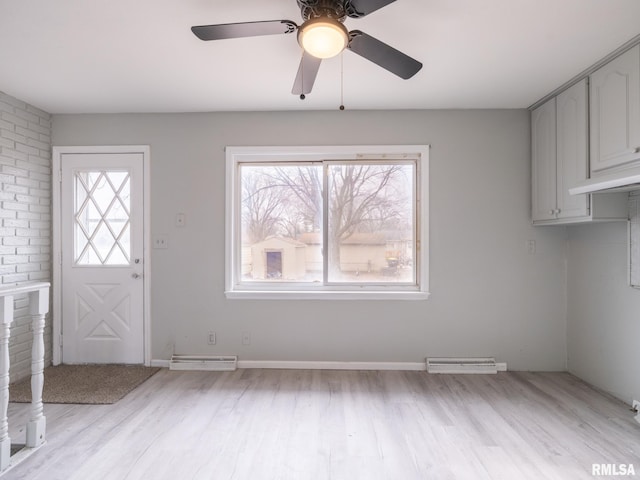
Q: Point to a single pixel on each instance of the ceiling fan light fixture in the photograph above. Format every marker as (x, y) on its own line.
(323, 37)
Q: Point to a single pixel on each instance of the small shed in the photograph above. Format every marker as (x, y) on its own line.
(278, 258)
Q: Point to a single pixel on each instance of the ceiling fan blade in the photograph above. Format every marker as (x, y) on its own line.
(244, 29)
(307, 71)
(383, 55)
(360, 8)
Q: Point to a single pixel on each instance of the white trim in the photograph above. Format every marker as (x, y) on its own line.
(146, 190)
(57, 153)
(621, 180)
(318, 365)
(19, 457)
(325, 295)
(56, 249)
(17, 289)
(315, 365)
(257, 154)
(160, 363)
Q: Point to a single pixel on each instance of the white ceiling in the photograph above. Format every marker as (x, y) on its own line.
(86, 56)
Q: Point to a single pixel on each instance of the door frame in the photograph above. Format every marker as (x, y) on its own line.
(56, 217)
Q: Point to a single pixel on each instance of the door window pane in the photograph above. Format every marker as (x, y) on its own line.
(102, 218)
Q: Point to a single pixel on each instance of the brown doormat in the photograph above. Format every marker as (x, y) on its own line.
(88, 384)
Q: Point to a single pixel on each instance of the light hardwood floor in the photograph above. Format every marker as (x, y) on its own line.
(299, 424)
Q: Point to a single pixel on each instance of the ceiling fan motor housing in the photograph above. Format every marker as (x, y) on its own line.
(334, 9)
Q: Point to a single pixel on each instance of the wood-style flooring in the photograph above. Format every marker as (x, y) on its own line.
(319, 424)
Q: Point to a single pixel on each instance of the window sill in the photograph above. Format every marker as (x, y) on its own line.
(323, 295)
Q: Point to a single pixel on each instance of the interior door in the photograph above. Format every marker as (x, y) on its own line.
(102, 244)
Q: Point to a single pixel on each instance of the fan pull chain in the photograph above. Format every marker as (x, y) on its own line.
(342, 80)
(302, 95)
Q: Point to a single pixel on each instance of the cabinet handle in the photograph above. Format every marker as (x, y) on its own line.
(557, 210)
(552, 211)
(636, 150)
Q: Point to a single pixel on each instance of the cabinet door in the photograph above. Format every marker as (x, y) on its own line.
(543, 161)
(615, 112)
(572, 141)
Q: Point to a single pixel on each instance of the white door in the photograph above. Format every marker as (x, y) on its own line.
(102, 246)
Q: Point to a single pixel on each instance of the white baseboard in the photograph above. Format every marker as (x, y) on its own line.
(307, 365)
(312, 365)
(160, 363)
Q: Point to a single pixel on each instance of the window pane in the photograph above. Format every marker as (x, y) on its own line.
(281, 228)
(371, 235)
(102, 218)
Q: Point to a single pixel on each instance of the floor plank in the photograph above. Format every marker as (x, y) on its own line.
(322, 424)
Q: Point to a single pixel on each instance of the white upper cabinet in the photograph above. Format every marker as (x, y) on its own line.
(543, 151)
(615, 112)
(560, 159)
(572, 149)
(559, 156)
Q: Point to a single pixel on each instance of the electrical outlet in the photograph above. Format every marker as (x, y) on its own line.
(212, 338)
(246, 338)
(531, 247)
(160, 241)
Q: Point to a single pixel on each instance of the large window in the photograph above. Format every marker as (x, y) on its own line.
(327, 222)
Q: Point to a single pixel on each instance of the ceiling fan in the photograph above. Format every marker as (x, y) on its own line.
(322, 35)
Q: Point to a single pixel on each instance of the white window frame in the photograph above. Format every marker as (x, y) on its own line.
(235, 289)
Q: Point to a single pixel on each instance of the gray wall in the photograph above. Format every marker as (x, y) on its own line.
(603, 314)
(25, 217)
(489, 296)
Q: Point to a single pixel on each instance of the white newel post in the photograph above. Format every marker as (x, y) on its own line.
(38, 307)
(6, 317)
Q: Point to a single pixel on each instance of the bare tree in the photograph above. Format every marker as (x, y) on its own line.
(285, 200)
(282, 201)
(261, 206)
(304, 187)
(361, 196)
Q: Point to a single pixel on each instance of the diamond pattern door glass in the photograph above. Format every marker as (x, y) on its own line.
(102, 218)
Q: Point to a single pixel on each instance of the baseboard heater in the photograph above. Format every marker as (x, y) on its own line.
(204, 363)
(461, 365)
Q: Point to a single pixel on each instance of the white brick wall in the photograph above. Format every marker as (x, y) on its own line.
(25, 216)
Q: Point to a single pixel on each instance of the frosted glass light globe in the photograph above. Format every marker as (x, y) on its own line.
(323, 37)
